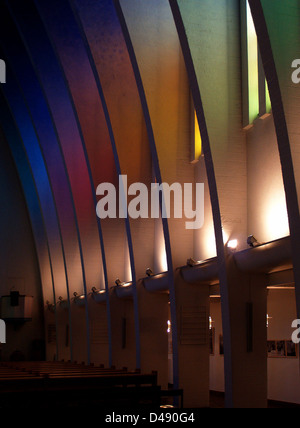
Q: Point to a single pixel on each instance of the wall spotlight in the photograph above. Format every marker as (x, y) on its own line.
(149, 272)
(191, 262)
(118, 282)
(78, 296)
(64, 304)
(79, 300)
(50, 306)
(95, 291)
(233, 244)
(252, 241)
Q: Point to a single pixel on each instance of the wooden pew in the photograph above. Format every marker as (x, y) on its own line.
(70, 370)
(68, 385)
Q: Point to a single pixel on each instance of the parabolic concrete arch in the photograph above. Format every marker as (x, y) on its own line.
(96, 90)
(264, 13)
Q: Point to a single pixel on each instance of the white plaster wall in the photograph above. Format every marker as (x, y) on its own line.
(283, 373)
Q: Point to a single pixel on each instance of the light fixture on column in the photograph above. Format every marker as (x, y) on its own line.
(252, 241)
(120, 284)
(79, 299)
(50, 306)
(157, 283)
(64, 304)
(96, 291)
(123, 289)
(98, 295)
(191, 262)
(149, 272)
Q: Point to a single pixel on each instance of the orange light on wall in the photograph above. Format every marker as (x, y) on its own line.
(209, 249)
(127, 264)
(160, 256)
(196, 141)
(276, 223)
(163, 259)
(233, 244)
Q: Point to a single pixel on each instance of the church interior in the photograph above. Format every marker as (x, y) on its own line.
(143, 307)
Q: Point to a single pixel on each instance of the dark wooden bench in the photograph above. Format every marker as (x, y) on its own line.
(70, 385)
(166, 393)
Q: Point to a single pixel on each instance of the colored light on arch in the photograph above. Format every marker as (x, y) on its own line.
(268, 99)
(198, 140)
(253, 87)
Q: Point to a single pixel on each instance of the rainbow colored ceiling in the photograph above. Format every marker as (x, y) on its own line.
(78, 110)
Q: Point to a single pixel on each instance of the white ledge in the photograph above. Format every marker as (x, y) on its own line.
(157, 283)
(206, 271)
(266, 258)
(80, 301)
(99, 296)
(124, 291)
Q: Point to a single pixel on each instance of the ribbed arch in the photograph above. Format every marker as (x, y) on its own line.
(103, 15)
(25, 135)
(69, 46)
(70, 139)
(33, 205)
(158, 177)
(37, 106)
(29, 189)
(259, 9)
(32, 201)
(196, 94)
